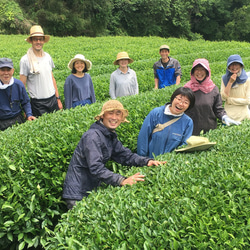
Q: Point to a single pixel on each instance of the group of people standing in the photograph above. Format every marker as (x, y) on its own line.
(195, 108)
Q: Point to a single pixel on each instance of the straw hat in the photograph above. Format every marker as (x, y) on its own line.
(196, 143)
(112, 105)
(122, 55)
(79, 57)
(37, 30)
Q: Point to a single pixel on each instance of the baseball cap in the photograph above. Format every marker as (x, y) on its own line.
(6, 62)
(164, 47)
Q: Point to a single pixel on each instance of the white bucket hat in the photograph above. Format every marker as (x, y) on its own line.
(81, 58)
(196, 143)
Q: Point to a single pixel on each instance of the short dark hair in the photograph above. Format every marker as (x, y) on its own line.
(187, 92)
(73, 71)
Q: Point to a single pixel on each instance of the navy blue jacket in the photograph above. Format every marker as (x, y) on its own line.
(87, 167)
(13, 99)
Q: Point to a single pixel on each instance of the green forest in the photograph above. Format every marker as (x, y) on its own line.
(213, 20)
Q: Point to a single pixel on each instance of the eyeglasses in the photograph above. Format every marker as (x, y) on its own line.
(184, 102)
(36, 39)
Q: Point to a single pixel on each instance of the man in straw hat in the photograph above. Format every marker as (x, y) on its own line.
(36, 72)
(123, 80)
(167, 70)
(98, 145)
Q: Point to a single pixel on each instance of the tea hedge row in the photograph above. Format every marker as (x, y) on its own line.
(34, 160)
(102, 52)
(196, 201)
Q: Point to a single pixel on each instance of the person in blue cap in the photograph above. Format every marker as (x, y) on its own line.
(235, 89)
(13, 97)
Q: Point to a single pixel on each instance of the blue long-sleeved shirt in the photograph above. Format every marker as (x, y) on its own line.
(13, 99)
(78, 89)
(164, 141)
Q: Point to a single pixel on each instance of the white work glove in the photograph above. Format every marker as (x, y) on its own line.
(228, 121)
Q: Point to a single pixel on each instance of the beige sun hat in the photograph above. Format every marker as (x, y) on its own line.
(112, 105)
(196, 143)
(122, 55)
(79, 57)
(36, 30)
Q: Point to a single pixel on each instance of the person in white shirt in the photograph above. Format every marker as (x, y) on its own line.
(36, 73)
(123, 81)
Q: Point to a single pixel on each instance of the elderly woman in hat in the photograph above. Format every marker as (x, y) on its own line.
(235, 89)
(208, 103)
(98, 145)
(78, 87)
(123, 80)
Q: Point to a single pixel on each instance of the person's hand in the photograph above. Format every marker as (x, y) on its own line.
(133, 179)
(155, 163)
(228, 121)
(30, 118)
(233, 78)
(60, 106)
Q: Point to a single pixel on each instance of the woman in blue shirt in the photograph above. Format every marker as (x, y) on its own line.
(78, 87)
(167, 127)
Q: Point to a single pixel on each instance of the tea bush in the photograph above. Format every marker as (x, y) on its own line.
(195, 201)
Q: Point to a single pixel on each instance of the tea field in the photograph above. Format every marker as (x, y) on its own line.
(197, 200)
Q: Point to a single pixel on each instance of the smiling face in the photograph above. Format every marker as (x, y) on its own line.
(79, 66)
(235, 67)
(164, 53)
(37, 43)
(112, 119)
(179, 105)
(200, 73)
(6, 74)
(123, 63)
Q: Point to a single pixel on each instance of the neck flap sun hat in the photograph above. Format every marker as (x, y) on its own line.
(196, 143)
(113, 105)
(79, 57)
(36, 30)
(122, 55)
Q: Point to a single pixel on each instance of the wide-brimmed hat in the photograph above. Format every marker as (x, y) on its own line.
(79, 57)
(122, 55)
(36, 30)
(112, 105)
(6, 63)
(196, 143)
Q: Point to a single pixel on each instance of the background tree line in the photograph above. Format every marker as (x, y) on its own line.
(208, 19)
